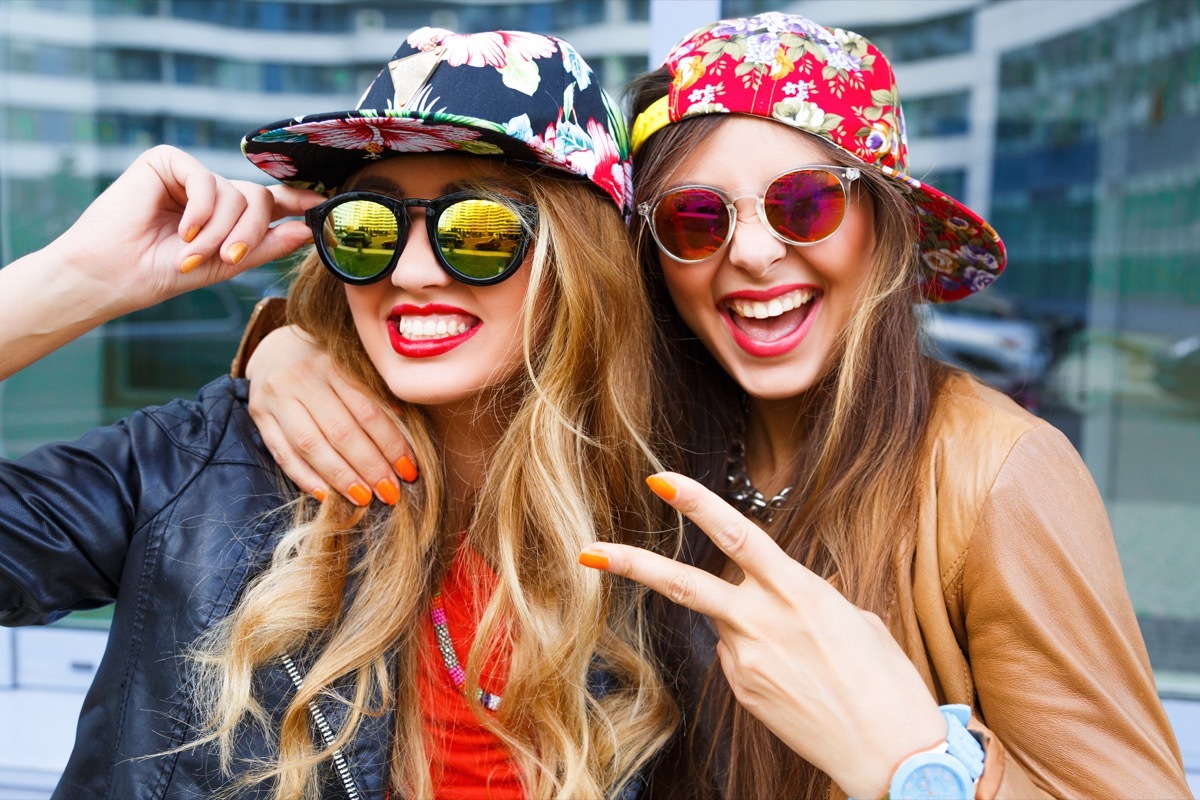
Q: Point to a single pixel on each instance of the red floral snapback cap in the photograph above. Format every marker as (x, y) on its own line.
(508, 94)
(834, 84)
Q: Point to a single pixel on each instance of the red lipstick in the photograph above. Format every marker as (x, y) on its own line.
(761, 348)
(428, 347)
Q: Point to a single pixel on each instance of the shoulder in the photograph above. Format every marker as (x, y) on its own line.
(974, 432)
(969, 415)
(216, 425)
(981, 443)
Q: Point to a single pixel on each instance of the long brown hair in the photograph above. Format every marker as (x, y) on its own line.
(352, 591)
(859, 434)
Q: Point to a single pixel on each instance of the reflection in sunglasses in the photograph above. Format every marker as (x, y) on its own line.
(479, 225)
(476, 240)
(801, 206)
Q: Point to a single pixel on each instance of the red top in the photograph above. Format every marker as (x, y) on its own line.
(465, 759)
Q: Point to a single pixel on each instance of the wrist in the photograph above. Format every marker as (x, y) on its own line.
(877, 753)
(66, 277)
(951, 769)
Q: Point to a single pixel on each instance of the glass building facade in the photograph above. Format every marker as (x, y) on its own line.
(1096, 190)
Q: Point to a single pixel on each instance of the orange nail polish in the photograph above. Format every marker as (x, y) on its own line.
(237, 252)
(590, 558)
(406, 468)
(662, 487)
(190, 263)
(359, 493)
(319, 494)
(191, 233)
(388, 491)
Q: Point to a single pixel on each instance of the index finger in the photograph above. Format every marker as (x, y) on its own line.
(746, 544)
(680, 583)
(293, 202)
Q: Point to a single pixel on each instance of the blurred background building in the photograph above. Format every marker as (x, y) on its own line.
(1073, 126)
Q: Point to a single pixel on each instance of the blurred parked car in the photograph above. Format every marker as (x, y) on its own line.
(356, 239)
(172, 349)
(145, 358)
(1178, 369)
(985, 336)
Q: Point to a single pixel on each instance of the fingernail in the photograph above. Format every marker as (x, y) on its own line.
(662, 487)
(237, 252)
(388, 491)
(593, 559)
(406, 468)
(190, 263)
(319, 494)
(359, 493)
(191, 233)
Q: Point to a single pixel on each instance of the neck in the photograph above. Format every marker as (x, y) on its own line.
(774, 436)
(467, 434)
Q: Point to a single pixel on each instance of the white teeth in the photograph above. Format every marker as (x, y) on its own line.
(428, 328)
(773, 307)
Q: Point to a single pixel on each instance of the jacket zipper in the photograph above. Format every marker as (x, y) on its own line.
(326, 730)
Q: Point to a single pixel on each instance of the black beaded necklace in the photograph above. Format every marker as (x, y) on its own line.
(741, 492)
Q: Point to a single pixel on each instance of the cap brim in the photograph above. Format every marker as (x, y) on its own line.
(960, 252)
(321, 151)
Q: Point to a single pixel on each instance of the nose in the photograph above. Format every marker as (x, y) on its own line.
(418, 267)
(753, 248)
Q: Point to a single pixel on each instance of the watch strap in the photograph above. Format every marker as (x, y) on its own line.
(960, 743)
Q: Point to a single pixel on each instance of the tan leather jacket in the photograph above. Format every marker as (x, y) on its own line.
(1013, 602)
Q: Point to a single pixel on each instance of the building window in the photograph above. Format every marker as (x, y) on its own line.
(938, 114)
(928, 38)
(951, 181)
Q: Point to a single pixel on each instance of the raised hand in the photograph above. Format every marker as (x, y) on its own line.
(168, 224)
(822, 674)
(165, 226)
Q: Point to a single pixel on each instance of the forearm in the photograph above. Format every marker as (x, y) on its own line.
(45, 304)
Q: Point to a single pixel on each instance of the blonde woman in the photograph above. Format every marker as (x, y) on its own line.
(907, 586)
(446, 644)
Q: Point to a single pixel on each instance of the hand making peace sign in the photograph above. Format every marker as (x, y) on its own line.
(823, 675)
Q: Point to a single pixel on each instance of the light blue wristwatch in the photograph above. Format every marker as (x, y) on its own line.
(949, 771)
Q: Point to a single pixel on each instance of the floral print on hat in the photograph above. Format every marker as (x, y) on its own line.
(510, 94)
(835, 84)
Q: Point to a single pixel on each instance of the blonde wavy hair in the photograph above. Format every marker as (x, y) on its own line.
(349, 591)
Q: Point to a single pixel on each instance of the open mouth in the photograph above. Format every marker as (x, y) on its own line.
(770, 320)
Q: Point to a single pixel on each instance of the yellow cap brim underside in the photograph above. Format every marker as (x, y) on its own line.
(656, 117)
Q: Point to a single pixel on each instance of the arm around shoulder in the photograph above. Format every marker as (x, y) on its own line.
(1056, 657)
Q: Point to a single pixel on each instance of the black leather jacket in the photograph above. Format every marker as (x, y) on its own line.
(166, 514)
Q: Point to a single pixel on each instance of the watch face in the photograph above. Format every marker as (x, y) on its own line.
(932, 780)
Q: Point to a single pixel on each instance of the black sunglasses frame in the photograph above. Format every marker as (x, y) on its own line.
(315, 218)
